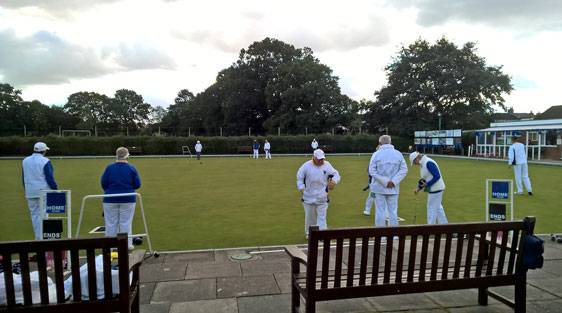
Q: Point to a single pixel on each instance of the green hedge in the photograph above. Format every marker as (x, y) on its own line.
(154, 145)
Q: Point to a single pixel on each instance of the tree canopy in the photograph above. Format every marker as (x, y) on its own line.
(427, 80)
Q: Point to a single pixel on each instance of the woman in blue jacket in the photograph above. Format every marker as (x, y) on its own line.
(120, 177)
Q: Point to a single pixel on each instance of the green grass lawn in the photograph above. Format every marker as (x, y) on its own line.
(235, 202)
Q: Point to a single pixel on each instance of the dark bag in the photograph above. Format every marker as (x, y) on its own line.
(533, 249)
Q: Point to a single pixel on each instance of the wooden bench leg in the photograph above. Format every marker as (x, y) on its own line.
(520, 294)
(310, 306)
(483, 296)
(295, 295)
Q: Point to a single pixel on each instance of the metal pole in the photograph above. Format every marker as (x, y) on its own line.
(249, 131)
(159, 131)
(96, 130)
(189, 132)
(306, 131)
(221, 131)
(60, 130)
(278, 131)
(24, 130)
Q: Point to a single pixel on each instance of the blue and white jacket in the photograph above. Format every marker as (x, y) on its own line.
(37, 175)
(429, 170)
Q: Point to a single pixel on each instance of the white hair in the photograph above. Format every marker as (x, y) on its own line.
(385, 140)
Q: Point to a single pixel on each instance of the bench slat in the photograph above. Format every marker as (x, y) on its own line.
(482, 253)
(423, 257)
(59, 280)
(468, 256)
(325, 263)
(376, 259)
(25, 279)
(107, 288)
(42, 269)
(458, 257)
(412, 258)
(400, 259)
(435, 258)
(350, 262)
(8, 279)
(512, 254)
(75, 266)
(503, 250)
(92, 283)
(446, 255)
(339, 261)
(364, 261)
(492, 254)
(388, 259)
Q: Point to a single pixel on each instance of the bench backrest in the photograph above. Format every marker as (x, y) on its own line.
(451, 251)
(22, 250)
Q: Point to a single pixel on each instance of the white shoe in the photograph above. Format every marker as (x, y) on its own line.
(366, 213)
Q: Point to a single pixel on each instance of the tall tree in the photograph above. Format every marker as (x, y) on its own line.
(425, 80)
(10, 101)
(93, 109)
(129, 109)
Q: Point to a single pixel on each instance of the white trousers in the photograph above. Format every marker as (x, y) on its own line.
(118, 219)
(369, 203)
(267, 154)
(35, 212)
(386, 205)
(256, 154)
(315, 214)
(435, 211)
(521, 172)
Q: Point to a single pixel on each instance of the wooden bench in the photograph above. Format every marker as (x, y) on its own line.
(245, 149)
(127, 299)
(134, 150)
(448, 257)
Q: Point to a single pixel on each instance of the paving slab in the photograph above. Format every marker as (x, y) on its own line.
(265, 304)
(145, 291)
(457, 298)
(154, 260)
(155, 308)
(283, 282)
(246, 286)
(545, 306)
(551, 285)
(552, 250)
(205, 306)
(551, 267)
(494, 308)
(344, 306)
(403, 302)
(261, 267)
(208, 270)
(277, 256)
(190, 257)
(162, 272)
(186, 290)
(533, 293)
(224, 255)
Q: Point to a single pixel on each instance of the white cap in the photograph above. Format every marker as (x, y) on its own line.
(413, 156)
(319, 154)
(198, 141)
(40, 147)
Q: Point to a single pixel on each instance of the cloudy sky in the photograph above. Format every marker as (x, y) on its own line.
(52, 48)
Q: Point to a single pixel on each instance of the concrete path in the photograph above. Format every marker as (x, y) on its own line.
(211, 281)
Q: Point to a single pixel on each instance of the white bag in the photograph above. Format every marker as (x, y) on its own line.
(35, 293)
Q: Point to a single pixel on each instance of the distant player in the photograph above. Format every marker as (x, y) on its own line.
(37, 175)
(314, 144)
(198, 149)
(314, 179)
(256, 147)
(267, 149)
(370, 199)
(517, 157)
(431, 182)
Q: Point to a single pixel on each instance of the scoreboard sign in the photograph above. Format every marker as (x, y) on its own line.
(52, 229)
(55, 202)
(497, 212)
(500, 190)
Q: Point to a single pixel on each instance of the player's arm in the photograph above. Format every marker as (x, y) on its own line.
(48, 171)
(402, 172)
(432, 168)
(373, 171)
(301, 174)
(510, 155)
(136, 178)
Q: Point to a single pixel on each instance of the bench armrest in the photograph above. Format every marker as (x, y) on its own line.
(295, 252)
(136, 258)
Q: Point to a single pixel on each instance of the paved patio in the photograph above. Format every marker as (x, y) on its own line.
(211, 281)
